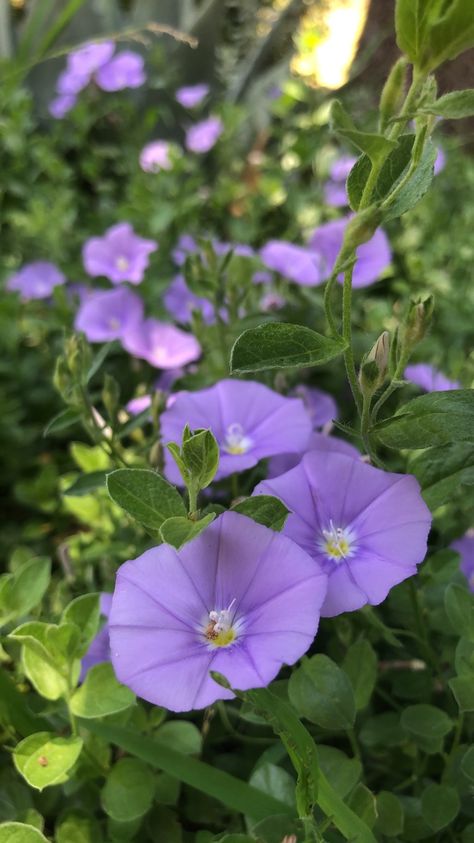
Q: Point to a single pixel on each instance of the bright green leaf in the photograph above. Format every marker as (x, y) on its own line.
(101, 694)
(453, 106)
(448, 35)
(145, 495)
(23, 590)
(360, 664)
(375, 146)
(84, 612)
(20, 833)
(321, 692)
(264, 509)
(200, 454)
(181, 735)
(177, 531)
(44, 759)
(278, 345)
(411, 21)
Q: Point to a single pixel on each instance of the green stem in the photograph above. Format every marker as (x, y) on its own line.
(328, 304)
(354, 743)
(347, 335)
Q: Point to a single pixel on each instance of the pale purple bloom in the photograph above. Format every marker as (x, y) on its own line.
(429, 379)
(163, 384)
(297, 263)
(321, 406)
(61, 105)
(262, 277)
(271, 301)
(465, 547)
(155, 156)
(161, 344)
(180, 301)
(124, 70)
(185, 246)
(201, 137)
(440, 161)
(36, 280)
(373, 257)
(192, 95)
(318, 442)
(240, 250)
(137, 405)
(71, 83)
(99, 648)
(119, 255)
(335, 188)
(365, 527)
(108, 315)
(88, 59)
(239, 599)
(249, 420)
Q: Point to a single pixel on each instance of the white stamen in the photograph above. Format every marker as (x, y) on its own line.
(337, 543)
(236, 442)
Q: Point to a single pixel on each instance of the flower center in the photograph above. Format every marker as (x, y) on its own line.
(337, 542)
(220, 630)
(122, 263)
(114, 323)
(236, 442)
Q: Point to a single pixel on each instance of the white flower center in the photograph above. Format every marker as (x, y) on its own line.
(113, 323)
(122, 263)
(221, 630)
(337, 543)
(236, 442)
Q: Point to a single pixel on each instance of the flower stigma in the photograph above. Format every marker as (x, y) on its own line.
(114, 323)
(122, 263)
(236, 442)
(220, 630)
(337, 542)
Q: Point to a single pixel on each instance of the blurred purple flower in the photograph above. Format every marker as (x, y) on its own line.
(71, 83)
(365, 527)
(163, 383)
(124, 70)
(107, 315)
(373, 257)
(99, 649)
(440, 162)
(136, 405)
(335, 192)
(185, 246)
(180, 301)
(239, 599)
(249, 420)
(318, 442)
(262, 277)
(191, 95)
(61, 105)
(160, 344)
(201, 137)
(271, 301)
(35, 280)
(465, 547)
(86, 60)
(429, 379)
(155, 156)
(297, 263)
(119, 255)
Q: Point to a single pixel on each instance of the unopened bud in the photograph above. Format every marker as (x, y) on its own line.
(111, 396)
(78, 355)
(62, 376)
(418, 320)
(361, 228)
(156, 455)
(375, 364)
(393, 91)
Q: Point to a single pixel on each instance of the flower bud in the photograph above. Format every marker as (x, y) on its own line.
(374, 365)
(78, 355)
(393, 90)
(62, 376)
(361, 228)
(110, 396)
(418, 320)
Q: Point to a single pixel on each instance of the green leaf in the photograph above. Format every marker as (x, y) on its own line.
(426, 725)
(276, 782)
(182, 736)
(48, 656)
(86, 483)
(389, 814)
(145, 495)
(84, 612)
(442, 471)
(20, 833)
(453, 106)
(63, 420)
(467, 764)
(276, 829)
(439, 805)
(101, 694)
(375, 146)
(278, 345)
(101, 355)
(392, 170)
(342, 772)
(200, 454)
(362, 801)
(463, 690)
(264, 509)
(24, 589)
(411, 21)
(360, 665)
(449, 35)
(177, 531)
(43, 759)
(14, 708)
(78, 828)
(416, 187)
(438, 418)
(459, 605)
(320, 691)
(128, 791)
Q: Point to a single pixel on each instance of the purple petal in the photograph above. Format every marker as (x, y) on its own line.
(192, 95)
(36, 280)
(429, 379)
(124, 70)
(297, 263)
(201, 137)
(373, 257)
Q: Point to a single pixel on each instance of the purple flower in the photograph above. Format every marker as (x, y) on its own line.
(465, 547)
(136, 405)
(239, 599)
(99, 649)
(86, 60)
(271, 301)
(298, 263)
(180, 301)
(373, 257)
(160, 344)
(185, 246)
(71, 83)
(335, 188)
(321, 406)
(120, 255)
(191, 95)
(124, 70)
(201, 137)
(240, 250)
(429, 379)
(365, 527)
(318, 442)
(440, 162)
(61, 105)
(155, 156)
(109, 315)
(262, 277)
(249, 420)
(36, 280)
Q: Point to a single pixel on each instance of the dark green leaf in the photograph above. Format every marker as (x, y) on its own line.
(411, 21)
(44, 759)
(438, 418)
(453, 106)
(62, 421)
(276, 782)
(179, 530)
(362, 802)
(463, 690)
(321, 692)
(98, 359)
(360, 664)
(101, 694)
(393, 168)
(390, 814)
(264, 509)
(342, 772)
(374, 145)
(440, 806)
(459, 605)
(181, 735)
(442, 471)
(145, 495)
(416, 186)
(86, 483)
(200, 454)
(128, 791)
(426, 725)
(279, 345)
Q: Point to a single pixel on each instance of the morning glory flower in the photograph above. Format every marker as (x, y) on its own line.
(365, 527)
(239, 599)
(180, 301)
(429, 379)
(61, 105)
(271, 301)
(119, 255)
(124, 70)
(88, 59)
(249, 420)
(201, 137)
(161, 344)
(373, 257)
(190, 96)
(335, 192)
(297, 263)
(155, 156)
(36, 280)
(99, 648)
(465, 547)
(71, 83)
(440, 161)
(107, 315)
(317, 442)
(321, 406)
